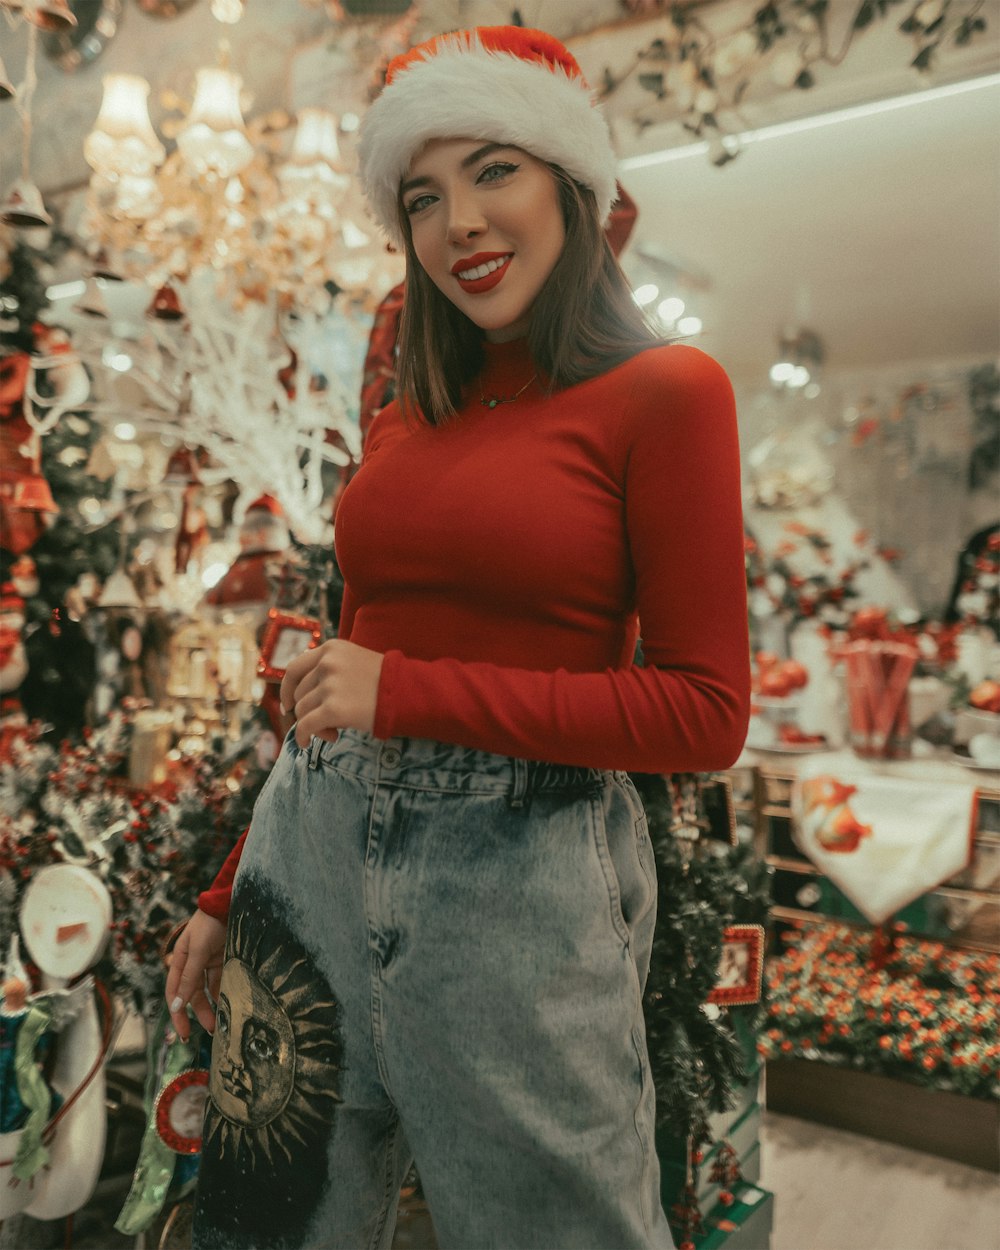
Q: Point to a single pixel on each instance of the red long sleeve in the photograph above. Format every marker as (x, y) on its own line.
(503, 563)
(623, 496)
(215, 900)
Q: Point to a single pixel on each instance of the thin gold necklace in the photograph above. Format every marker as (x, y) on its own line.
(503, 399)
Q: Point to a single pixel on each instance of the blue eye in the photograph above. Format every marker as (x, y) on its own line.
(419, 202)
(499, 169)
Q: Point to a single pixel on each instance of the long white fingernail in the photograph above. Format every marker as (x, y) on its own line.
(177, 1004)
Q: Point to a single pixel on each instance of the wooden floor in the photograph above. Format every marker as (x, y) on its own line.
(837, 1191)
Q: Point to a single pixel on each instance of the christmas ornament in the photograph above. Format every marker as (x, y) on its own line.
(23, 207)
(165, 305)
(53, 16)
(247, 584)
(192, 533)
(24, 576)
(180, 1111)
(25, 498)
(65, 377)
(164, 1149)
(92, 303)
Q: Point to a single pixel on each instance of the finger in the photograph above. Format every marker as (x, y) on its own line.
(320, 723)
(204, 1013)
(177, 961)
(189, 985)
(181, 1022)
(294, 673)
(309, 682)
(310, 702)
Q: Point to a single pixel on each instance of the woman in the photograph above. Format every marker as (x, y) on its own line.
(441, 925)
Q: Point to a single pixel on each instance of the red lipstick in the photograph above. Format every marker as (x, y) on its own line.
(476, 286)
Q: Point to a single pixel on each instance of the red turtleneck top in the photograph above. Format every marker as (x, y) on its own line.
(507, 562)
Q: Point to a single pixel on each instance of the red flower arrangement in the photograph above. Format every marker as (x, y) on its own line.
(928, 1014)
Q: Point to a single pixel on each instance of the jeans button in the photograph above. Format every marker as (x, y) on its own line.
(391, 757)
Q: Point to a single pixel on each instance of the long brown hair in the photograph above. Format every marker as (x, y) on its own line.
(583, 322)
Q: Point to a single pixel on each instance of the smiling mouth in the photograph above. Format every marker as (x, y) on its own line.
(484, 277)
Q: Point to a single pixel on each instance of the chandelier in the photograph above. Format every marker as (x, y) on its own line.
(269, 206)
(255, 241)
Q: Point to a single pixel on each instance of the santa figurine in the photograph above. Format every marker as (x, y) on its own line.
(264, 541)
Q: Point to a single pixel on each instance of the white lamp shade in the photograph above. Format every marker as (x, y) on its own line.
(315, 138)
(123, 142)
(310, 179)
(214, 140)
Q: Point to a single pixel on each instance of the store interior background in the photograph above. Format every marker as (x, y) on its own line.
(870, 220)
(875, 230)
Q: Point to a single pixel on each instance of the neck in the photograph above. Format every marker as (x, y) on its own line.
(508, 370)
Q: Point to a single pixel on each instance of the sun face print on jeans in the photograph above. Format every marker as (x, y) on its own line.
(273, 1088)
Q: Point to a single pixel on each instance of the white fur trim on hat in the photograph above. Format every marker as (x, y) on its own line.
(464, 90)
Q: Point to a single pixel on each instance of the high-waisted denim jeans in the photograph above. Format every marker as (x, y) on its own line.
(439, 954)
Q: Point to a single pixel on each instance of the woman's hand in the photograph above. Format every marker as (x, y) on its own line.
(333, 686)
(196, 962)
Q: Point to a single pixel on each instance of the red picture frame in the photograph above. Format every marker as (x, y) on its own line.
(285, 637)
(741, 966)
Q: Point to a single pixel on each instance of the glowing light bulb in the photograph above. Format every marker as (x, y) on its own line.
(670, 309)
(645, 294)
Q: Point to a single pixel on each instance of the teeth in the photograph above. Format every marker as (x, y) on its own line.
(491, 266)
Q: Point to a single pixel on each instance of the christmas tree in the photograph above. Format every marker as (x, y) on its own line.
(58, 646)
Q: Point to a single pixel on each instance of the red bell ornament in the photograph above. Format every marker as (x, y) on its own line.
(165, 305)
(54, 16)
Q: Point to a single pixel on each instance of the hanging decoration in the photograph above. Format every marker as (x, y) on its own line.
(266, 207)
(26, 502)
(23, 206)
(81, 43)
(241, 384)
(692, 73)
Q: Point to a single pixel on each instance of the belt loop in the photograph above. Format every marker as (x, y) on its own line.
(315, 749)
(519, 784)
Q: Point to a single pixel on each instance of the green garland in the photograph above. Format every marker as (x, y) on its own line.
(697, 1056)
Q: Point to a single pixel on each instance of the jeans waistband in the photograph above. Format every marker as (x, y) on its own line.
(421, 763)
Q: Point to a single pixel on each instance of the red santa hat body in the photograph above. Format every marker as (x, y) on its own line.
(507, 84)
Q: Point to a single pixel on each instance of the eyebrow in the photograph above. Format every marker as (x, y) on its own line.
(486, 150)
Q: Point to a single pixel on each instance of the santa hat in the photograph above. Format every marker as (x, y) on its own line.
(508, 84)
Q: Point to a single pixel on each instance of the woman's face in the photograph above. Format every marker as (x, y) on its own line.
(486, 227)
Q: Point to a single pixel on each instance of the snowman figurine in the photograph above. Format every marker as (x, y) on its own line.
(65, 921)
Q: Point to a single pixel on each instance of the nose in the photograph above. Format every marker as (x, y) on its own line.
(465, 218)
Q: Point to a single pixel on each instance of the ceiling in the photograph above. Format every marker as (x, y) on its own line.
(880, 233)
